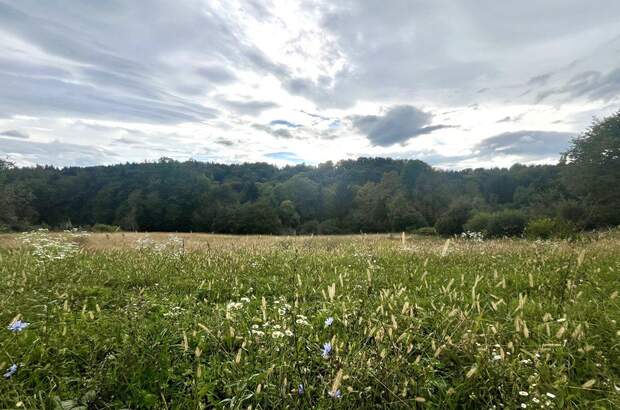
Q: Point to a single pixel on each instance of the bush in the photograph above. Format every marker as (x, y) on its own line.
(451, 223)
(506, 223)
(309, 227)
(497, 224)
(426, 231)
(329, 227)
(573, 212)
(105, 228)
(547, 228)
(479, 222)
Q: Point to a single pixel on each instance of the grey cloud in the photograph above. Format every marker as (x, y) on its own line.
(511, 118)
(126, 141)
(528, 144)
(448, 51)
(55, 153)
(15, 134)
(590, 84)
(217, 74)
(276, 132)
(540, 79)
(121, 59)
(21, 67)
(224, 141)
(46, 96)
(248, 107)
(397, 125)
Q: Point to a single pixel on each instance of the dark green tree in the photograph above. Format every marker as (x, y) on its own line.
(591, 170)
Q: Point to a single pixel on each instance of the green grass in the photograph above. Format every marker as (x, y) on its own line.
(412, 328)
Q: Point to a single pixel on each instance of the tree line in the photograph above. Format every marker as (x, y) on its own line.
(350, 196)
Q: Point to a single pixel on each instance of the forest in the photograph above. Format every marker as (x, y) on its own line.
(351, 196)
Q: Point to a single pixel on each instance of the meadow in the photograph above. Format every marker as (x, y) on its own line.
(130, 320)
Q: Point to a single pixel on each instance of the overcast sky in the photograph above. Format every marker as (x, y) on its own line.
(454, 83)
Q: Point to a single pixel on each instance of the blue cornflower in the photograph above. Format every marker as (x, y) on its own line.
(335, 394)
(10, 372)
(327, 350)
(17, 326)
(329, 321)
(300, 389)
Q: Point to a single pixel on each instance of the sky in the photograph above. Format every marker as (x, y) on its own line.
(457, 84)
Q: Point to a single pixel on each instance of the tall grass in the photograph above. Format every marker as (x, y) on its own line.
(243, 323)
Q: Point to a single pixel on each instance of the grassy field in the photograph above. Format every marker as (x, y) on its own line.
(203, 321)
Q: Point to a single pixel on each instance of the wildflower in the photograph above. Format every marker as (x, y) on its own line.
(245, 300)
(327, 350)
(523, 393)
(17, 326)
(277, 334)
(288, 333)
(523, 405)
(10, 372)
(329, 321)
(335, 394)
(300, 389)
(551, 395)
(234, 305)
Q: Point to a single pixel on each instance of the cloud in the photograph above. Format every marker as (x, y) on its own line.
(126, 141)
(15, 134)
(276, 132)
(591, 84)
(540, 79)
(249, 107)
(52, 97)
(224, 141)
(526, 144)
(161, 77)
(398, 125)
(120, 60)
(56, 153)
(216, 74)
(510, 118)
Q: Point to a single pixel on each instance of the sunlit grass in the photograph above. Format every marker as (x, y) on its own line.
(221, 321)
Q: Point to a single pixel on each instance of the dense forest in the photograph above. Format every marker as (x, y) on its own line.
(363, 195)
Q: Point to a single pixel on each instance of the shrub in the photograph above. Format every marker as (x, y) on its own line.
(329, 227)
(426, 231)
(573, 212)
(309, 227)
(506, 223)
(105, 228)
(547, 228)
(479, 222)
(451, 223)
